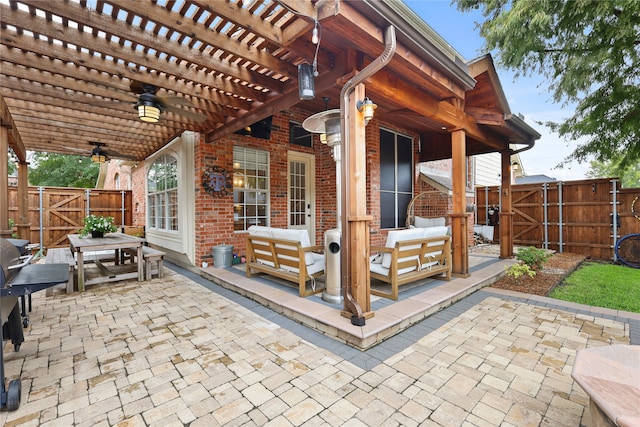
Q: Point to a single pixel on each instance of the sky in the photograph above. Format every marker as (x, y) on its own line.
(526, 95)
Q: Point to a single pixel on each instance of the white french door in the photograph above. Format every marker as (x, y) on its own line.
(301, 192)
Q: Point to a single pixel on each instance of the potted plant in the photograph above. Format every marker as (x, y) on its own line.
(98, 225)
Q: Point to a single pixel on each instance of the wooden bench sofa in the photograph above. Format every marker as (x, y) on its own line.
(61, 256)
(287, 254)
(411, 255)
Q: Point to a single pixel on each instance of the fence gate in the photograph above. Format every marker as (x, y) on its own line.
(55, 212)
(585, 217)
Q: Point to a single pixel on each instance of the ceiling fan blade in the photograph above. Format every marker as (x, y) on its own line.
(197, 117)
(79, 150)
(173, 100)
(139, 88)
(113, 155)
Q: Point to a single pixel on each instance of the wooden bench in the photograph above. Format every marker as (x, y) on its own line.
(289, 259)
(61, 256)
(610, 375)
(407, 257)
(150, 256)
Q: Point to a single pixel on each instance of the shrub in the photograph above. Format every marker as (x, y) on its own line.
(533, 257)
(518, 270)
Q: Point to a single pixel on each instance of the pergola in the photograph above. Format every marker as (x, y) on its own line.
(73, 73)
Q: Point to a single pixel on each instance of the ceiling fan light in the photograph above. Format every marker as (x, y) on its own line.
(148, 113)
(97, 156)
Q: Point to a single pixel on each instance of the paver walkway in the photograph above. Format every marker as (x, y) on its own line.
(172, 352)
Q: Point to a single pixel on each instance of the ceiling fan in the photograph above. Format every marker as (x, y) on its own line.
(98, 154)
(149, 104)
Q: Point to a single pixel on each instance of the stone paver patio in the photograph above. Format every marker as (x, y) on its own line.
(172, 352)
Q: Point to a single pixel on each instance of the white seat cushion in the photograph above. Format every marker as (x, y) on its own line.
(434, 232)
(400, 236)
(379, 269)
(313, 268)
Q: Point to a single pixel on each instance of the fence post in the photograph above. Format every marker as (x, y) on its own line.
(486, 205)
(87, 207)
(615, 218)
(545, 221)
(560, 222)
(122, 209)
(40, 209)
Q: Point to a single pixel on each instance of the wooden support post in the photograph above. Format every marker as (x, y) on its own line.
(4, 183)
(506, 214)
(460, 248)
(355, 253)
(23, 224)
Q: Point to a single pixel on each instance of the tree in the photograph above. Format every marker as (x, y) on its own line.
(11, 166)
(589, 51)
(60, 170)
(629, 176)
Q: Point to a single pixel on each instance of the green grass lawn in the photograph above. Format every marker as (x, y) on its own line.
(602, 285)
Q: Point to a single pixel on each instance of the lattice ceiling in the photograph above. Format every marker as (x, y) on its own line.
(71, 72)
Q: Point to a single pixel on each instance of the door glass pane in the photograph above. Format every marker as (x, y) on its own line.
(297, 193)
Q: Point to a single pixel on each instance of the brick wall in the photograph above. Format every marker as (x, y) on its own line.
(214, 215)
(131, 177)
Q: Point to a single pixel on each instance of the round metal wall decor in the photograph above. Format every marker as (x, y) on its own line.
(217, 181)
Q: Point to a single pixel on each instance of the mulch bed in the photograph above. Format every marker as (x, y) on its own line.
(557, 267)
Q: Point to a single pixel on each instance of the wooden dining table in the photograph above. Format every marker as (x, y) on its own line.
(84, 246)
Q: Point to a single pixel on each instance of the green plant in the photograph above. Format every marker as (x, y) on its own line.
(99, 223)
(518, 270)
(533, 257)
(12, 224)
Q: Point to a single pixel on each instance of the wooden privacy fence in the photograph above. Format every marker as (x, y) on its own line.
(585, 217)
(55, 212)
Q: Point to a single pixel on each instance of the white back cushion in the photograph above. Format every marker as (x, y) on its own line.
(259, 230)
(435, 231)
(262, 231)
(421, 222)
(296, 235)
(400, 236)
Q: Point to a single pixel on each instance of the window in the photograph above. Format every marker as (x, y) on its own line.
(299, 136)
(116, 180)
(396, 178)
(250, 188)
(162, 182)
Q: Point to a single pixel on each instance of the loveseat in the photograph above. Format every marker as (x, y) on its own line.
(409, 255)
(285, 253)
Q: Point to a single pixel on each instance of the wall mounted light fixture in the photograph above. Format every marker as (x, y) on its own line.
(366, 107)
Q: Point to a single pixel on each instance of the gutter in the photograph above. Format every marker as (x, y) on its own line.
(517, 123)
(414, 32)
(357, 316)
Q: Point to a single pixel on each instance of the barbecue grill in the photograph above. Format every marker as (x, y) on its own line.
(18, 277)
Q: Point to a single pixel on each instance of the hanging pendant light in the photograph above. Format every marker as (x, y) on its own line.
(306, 87)
(98, 156)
